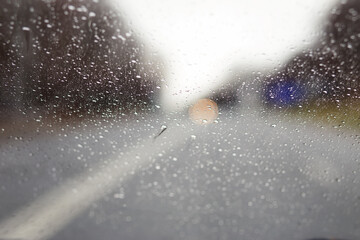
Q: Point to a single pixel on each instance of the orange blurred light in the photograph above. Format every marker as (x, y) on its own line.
(204, 111)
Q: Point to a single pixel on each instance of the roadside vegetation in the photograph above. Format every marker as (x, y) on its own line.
(322, 83)
(344, 114)
(65, 59)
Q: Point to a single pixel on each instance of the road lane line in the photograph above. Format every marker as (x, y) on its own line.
(55, 209)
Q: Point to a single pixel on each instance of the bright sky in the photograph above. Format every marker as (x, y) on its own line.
(200, 41)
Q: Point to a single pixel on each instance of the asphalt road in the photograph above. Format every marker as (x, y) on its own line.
(249, 176)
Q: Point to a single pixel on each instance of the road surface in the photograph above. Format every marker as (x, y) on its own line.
(251, 175)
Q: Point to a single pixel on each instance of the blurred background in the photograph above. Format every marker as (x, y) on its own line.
(67, 58)
(95, 101)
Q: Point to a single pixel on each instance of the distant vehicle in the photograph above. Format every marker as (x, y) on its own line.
(284, 92)
(227, 96)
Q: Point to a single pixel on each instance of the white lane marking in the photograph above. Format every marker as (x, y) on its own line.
(51, 212)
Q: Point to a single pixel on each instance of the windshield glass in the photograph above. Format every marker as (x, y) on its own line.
(193, 119)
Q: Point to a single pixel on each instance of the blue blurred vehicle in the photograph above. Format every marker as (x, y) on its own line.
(284, 92)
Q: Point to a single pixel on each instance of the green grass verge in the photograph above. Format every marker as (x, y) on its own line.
(343, 114)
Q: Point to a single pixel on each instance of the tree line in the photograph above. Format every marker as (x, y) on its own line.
(71, 57)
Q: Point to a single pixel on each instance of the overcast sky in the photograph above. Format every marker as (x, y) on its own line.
(201, 41)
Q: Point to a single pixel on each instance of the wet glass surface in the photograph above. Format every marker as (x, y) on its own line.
(180, 119)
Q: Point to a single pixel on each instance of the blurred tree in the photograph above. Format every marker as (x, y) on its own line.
(76, 56)
(331, 70)
(341, 50)
(11, 86)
